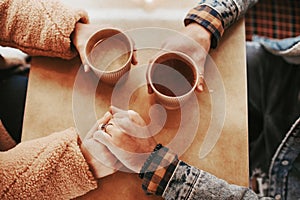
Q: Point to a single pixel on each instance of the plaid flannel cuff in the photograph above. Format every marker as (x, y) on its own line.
(159, 171)
(209, 19)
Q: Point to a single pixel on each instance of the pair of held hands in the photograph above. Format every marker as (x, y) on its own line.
(194, 41)
(124, 144)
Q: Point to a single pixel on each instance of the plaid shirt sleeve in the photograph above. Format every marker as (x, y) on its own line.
(158, 171)
(209, 19)
(217, 15)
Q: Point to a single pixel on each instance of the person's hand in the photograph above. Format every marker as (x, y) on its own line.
(128, 138)
(194, 41)
(81, 34)
(101, 161)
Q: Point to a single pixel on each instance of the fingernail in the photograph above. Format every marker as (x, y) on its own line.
(201, 88)
(86, 68)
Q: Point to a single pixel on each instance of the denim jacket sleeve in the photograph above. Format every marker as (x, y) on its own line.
(165, 175)
(191, 183)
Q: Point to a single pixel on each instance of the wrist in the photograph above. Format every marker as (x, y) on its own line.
(88, 158)
(158, 169)
(200, 34)
(209, 19)
(149, 160)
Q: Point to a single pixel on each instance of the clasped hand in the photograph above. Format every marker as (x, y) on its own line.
(120, 140)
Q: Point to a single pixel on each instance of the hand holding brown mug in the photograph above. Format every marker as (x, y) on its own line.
(194, 41)
(127, 137)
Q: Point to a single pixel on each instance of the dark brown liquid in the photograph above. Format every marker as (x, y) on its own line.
(173, 77)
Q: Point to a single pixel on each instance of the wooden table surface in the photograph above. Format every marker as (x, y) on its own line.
(60, 96)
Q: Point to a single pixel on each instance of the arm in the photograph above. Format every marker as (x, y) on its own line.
(205, 24)
(174, 179)
(39, 28)
(52, 167)
(59, 166)
(162, 173)
(216, 16)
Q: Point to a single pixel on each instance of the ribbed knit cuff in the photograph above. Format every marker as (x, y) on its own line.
(209, 19)
(159, 171)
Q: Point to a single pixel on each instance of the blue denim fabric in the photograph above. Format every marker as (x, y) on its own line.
(284, 172)
(274, 106)
(287, 48)
(278, 45)
(190, 183)
(283, 183)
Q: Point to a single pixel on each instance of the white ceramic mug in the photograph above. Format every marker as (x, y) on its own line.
(172, 77)
(108, 52)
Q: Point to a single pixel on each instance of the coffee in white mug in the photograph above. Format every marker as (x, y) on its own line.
(172, 77)
(108, 52)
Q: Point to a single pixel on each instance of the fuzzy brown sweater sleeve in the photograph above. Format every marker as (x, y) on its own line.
(39, 27)
(51, 167)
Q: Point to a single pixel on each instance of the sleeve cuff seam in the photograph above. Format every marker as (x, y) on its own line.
(170, 178)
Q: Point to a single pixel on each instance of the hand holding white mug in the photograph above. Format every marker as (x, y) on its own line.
(80, 36)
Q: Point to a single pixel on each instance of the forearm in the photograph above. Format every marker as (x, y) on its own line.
(189, 182)
(39, 28)
(174, 179)
(52, 167)
(216, 16)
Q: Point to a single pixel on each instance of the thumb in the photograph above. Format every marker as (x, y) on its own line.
(114, 110)
(200, 84)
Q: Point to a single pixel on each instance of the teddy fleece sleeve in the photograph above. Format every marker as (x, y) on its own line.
(216, 16)
(51, 167)
(39, 27)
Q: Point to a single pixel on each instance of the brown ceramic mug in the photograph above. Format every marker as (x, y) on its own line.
(108, 52)
(172, 77)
